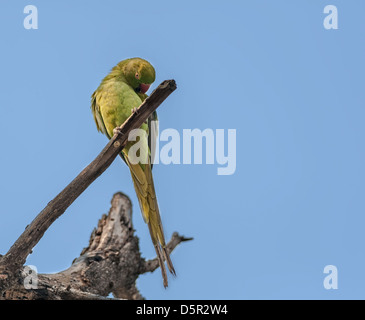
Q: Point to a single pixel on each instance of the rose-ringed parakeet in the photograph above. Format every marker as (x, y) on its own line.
(119, 94)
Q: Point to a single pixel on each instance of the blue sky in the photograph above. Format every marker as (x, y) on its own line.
(293, 91)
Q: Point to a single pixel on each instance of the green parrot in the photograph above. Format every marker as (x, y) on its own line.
(119, 94)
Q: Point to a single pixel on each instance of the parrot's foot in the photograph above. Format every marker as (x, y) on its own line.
(134, 110)
(117, 130)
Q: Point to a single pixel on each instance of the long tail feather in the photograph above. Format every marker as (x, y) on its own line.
(159, 256)
(145, 190)
(168, 261)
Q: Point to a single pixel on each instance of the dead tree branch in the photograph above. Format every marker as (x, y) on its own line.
(110, 264)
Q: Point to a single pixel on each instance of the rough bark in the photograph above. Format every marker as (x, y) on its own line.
(110, 264)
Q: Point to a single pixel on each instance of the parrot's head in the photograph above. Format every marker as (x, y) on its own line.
(139, 74)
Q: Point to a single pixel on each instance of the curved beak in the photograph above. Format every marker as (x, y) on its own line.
(144, 87)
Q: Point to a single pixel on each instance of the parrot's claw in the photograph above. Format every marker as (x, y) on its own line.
(117, 130)
(134, 110)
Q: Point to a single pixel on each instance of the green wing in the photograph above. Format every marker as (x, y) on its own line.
(111, 105)
(95, 109)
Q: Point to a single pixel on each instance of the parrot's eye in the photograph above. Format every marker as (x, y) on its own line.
(137, 75)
